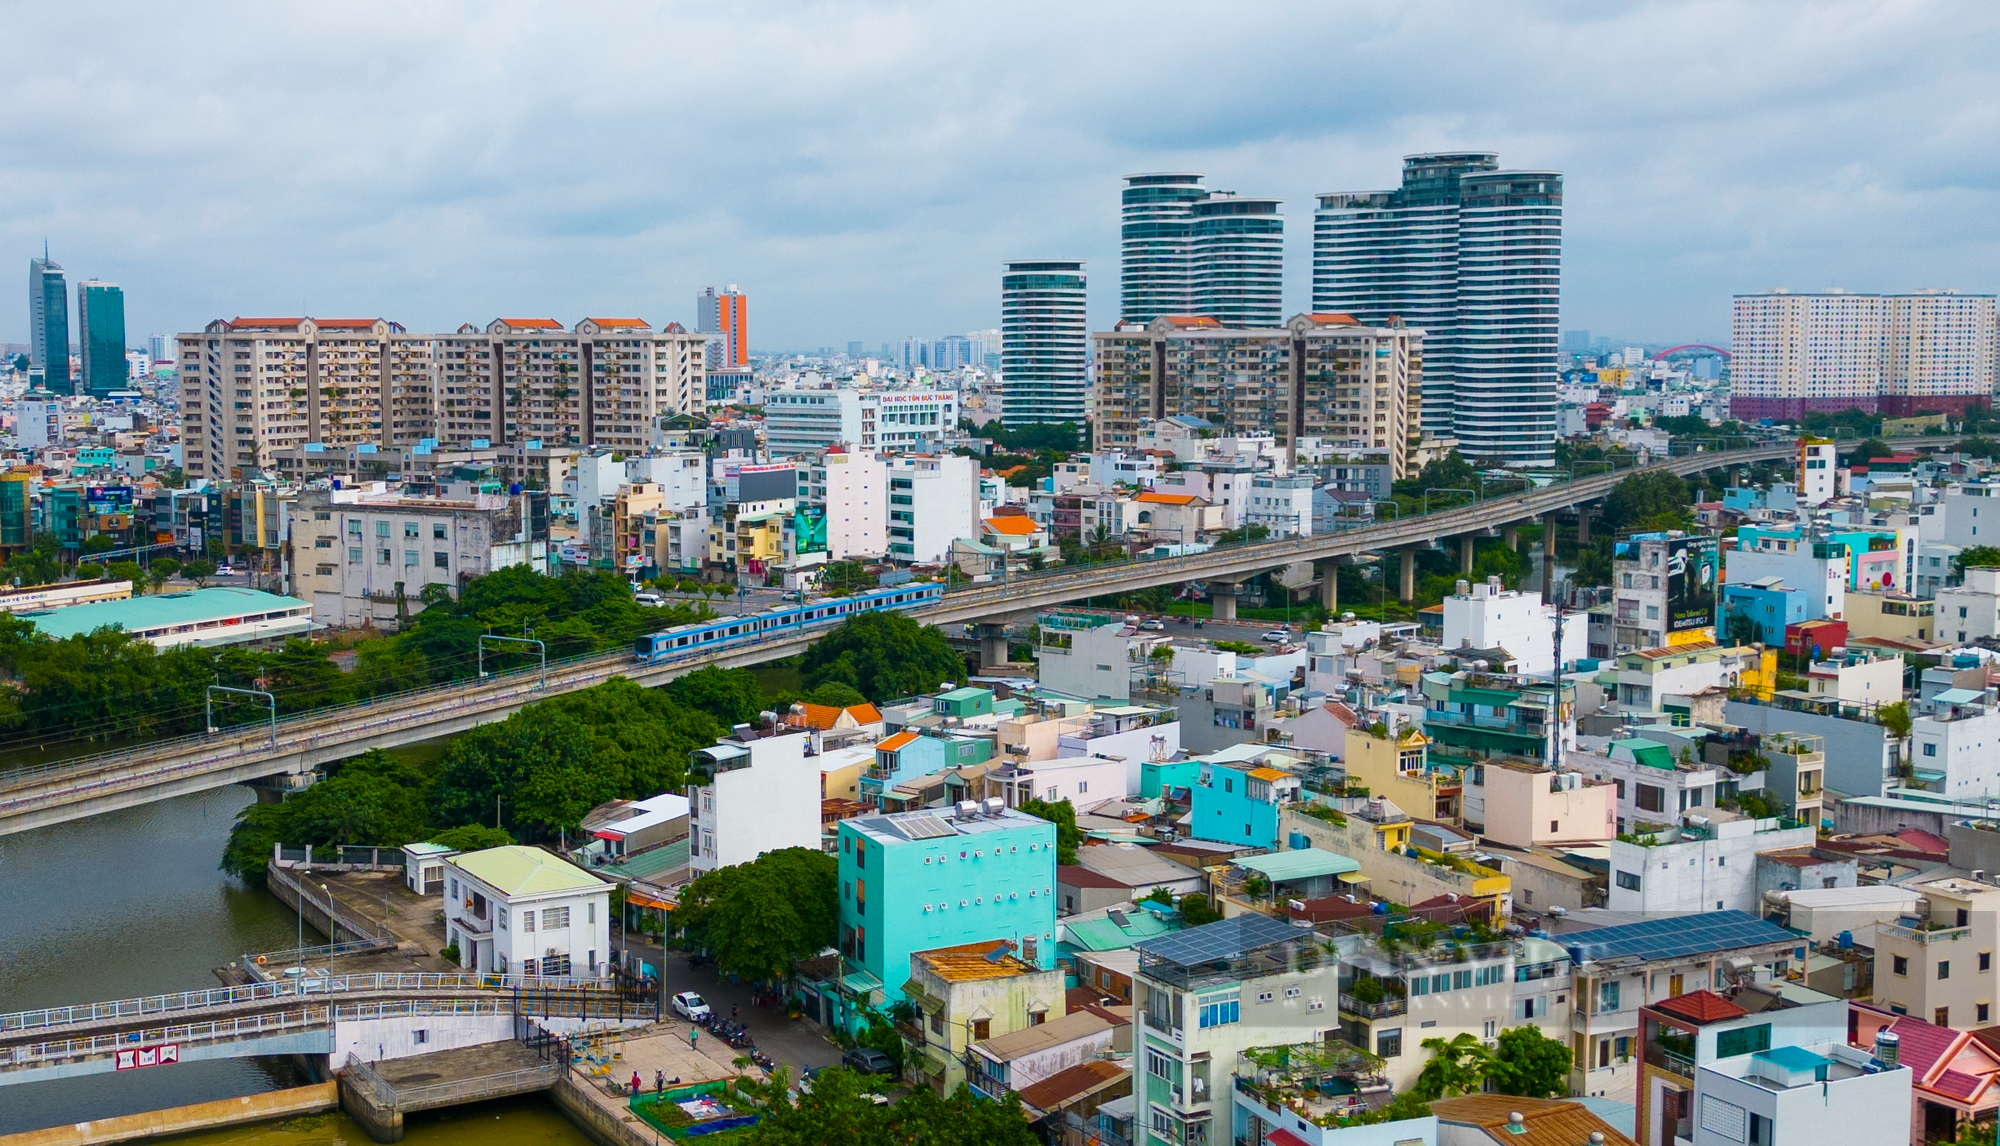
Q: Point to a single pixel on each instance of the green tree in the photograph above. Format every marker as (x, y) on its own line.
(1528, 1064)
(883, 656)
(731, 696)
(97, 543)
(471, 838)
(841, 577)
(837, 695)
(759, 919)
(371, 799)
(1978, 557)
(199, 570)
(127, 571)
(89, 571)
(1741, 629)
(1895, 719)
(1654, 500)
(535, 769)
(1198, 910)
(1865, 451)
(1457, 1066)
(1062, 814)
(161, 571)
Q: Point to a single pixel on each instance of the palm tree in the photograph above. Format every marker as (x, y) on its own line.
(1457, 1066)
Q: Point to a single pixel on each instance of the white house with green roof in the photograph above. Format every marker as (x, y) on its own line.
(525, 911)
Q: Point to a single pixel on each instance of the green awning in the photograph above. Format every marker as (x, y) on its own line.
(1304, 863)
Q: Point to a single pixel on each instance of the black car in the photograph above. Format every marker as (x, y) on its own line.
(868, 1060)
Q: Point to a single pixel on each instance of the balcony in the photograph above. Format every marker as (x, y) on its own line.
(1925, 934)
(1349, 1005)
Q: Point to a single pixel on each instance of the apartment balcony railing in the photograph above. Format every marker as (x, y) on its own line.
(1924, 936)
(1349, 1005)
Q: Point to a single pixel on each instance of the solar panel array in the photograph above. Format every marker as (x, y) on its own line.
(1675, 937)
(921, 826)
(1227, 939)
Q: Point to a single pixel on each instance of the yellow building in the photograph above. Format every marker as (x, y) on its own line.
(1397, 766)
(1892, 616)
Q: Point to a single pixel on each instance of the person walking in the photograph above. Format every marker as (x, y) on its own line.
(694, 1036)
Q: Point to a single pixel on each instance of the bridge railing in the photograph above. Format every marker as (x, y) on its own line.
(377, 982)
(90, 1046)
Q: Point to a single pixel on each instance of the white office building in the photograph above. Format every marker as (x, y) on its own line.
(805, 421)
(933, 501)
(1955, 744)
(1707, 863)
(365, 557)
(749, 795)
(1828, 1092)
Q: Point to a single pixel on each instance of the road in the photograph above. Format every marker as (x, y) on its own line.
(795, 1043)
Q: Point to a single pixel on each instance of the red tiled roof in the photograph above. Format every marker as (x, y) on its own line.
(1334, 319)
(1185, 321)
(896, 741)
(1166, 498)
(619, 321)
(236, 322)
(1701, 1007)
(1922, 1043)
(533, 323)
(345, 323)
(1014, 526)
(1284, 1137)
(865, 713)
(1958, 1084)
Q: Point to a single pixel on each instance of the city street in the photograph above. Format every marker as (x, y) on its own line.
(796, 1044)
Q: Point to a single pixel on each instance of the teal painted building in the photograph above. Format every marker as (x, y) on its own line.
(912, 881)
(909, 755)
(1235, 805)
(1156, 778)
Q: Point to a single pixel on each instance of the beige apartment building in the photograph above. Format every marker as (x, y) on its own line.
(1322, 376)
(251, 387)
(1938, 966)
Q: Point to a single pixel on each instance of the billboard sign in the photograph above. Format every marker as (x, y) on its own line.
(1691, 566)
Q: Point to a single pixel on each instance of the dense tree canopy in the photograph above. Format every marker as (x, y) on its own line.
(759, 919)
(1062, 814)
(839, 1108)
(883, 656)
(1529, 1064)
(1656, 500)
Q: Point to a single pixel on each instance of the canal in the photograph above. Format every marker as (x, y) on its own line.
(132, 903)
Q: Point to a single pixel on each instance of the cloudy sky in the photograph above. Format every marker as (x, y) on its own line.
(862, 170)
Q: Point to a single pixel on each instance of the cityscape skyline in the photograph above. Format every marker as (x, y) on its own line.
(874, 199)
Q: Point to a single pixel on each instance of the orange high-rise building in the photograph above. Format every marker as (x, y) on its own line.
(725, 314)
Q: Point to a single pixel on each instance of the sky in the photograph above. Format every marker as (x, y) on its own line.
(861, 171)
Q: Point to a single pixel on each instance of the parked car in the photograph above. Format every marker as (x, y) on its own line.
(1153, 624)
(690, 1006)
(1276, 636)
(649, 597)
(868, 1060)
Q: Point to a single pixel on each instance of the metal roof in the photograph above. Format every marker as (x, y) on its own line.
(143, 614)
(1303, 863)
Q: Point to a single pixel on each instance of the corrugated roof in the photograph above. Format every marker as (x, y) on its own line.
(141, 614)
(518, 870)
(1544, 1121)
(1269, 774)
(1054, 1033)
(1079, 1081)
(1304, 863)
(970, 962)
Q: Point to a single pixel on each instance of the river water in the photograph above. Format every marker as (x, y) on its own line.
(132, 903)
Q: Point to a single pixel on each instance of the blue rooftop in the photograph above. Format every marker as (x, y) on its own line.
(1795, 1058)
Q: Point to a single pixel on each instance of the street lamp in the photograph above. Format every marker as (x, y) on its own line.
(332, 935)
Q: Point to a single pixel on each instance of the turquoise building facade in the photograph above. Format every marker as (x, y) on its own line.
(1240, 805)
(912, 881)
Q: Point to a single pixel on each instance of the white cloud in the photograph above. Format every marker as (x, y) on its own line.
(862, 171)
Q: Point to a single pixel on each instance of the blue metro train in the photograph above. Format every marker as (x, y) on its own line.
(784, 620)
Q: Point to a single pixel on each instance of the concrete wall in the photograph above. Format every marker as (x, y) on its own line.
(251, 1108)
(372, 1040)
(1859, 756)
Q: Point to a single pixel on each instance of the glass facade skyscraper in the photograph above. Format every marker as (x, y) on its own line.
(1187, 251)
(1472, 255)
(100, 322)
(48, 324)
(1044, 341)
